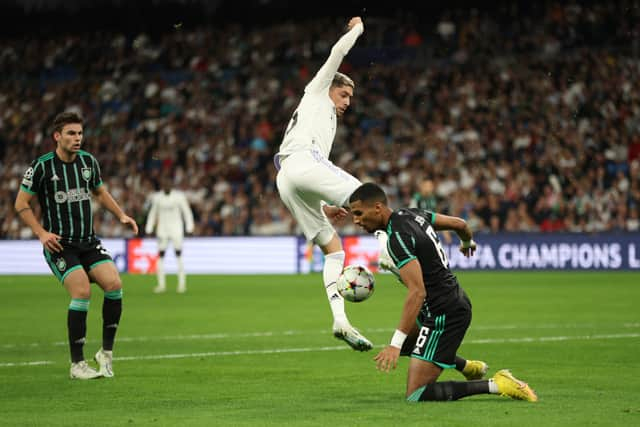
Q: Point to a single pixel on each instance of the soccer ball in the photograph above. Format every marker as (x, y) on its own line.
(355, 284)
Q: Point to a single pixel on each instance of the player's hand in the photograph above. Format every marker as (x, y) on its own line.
(126, 219)
(468, 248)
(353, 22)
(51, 242)
(335, 214)
(387, 359)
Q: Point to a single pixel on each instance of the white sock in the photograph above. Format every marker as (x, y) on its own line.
(160, 272)
(182, 278)
(333, 265)
(493, 387)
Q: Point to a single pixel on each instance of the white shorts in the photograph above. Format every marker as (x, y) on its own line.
(305, 180)
(175, 239)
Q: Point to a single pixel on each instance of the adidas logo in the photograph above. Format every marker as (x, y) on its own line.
(55, 178)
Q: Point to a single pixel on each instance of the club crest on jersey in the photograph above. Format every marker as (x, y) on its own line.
(61, 264)
(86, 173)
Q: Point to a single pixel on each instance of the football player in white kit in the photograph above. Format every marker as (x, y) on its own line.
(310, 185)
(171, 212)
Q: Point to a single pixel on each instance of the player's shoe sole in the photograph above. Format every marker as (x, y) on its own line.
(352, 337)
(475, 370)
(510, 386)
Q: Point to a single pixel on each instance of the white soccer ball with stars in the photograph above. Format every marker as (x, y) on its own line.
(356, 283)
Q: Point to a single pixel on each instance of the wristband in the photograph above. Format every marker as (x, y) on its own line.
(398, 339)
(468, 243)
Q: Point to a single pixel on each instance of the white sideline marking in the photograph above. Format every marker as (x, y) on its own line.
(224, 335)
(333, 348)
(35, 363)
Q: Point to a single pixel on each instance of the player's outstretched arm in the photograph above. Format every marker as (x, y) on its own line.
(323, 78)
(460, 226)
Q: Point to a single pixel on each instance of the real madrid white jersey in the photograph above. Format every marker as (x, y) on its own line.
(171, 212)
(313, 124)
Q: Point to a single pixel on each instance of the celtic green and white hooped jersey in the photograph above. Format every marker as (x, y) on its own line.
(64, 192)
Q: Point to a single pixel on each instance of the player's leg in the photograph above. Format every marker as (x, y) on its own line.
(439, 337)
(333, 265)
(106, 275)
(422, 384)
(434, 350)
(163, 243)
(298, 191)
(176, 241)
(68, 270)
(471, 369)
(77, 285)
(331, 184)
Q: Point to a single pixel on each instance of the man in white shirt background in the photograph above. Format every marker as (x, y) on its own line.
(170, 216)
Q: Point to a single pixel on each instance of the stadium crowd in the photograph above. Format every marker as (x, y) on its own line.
(525, 120)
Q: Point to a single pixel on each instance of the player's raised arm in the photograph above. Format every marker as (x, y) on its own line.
(323, 78)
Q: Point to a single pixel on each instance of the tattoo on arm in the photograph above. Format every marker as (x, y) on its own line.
(23, 209)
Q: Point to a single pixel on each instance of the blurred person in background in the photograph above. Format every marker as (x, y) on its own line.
(426, 199)
(170, 215)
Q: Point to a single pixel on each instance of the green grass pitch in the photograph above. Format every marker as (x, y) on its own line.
(257, 350)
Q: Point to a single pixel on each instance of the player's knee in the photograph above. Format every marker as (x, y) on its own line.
(113, 284)
(81, 294)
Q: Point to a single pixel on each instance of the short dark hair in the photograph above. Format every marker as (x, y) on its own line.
(63, 119)
(369, 192)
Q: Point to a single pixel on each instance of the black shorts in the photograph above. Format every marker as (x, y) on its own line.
(75, 256)
(440, 335)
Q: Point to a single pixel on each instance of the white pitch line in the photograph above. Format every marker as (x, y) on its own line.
(225, 335)
(334, 348)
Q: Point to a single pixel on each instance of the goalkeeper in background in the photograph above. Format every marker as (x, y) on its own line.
(437, 311)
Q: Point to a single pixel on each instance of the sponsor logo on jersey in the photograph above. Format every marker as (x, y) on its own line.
(73, 195)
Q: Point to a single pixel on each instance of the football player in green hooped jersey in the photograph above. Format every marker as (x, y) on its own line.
(64, 181)
(436, 311)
